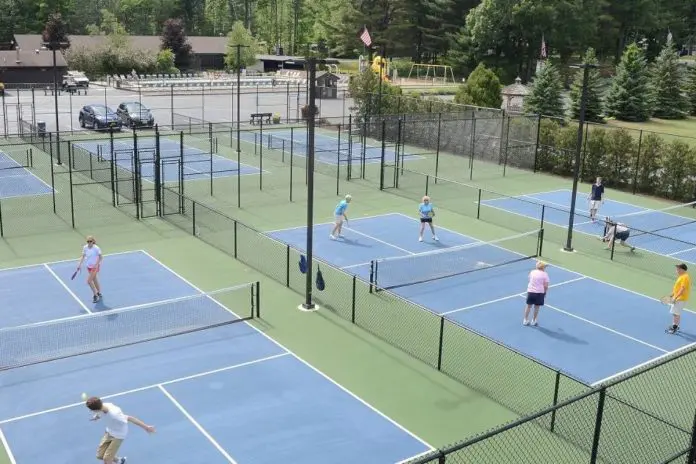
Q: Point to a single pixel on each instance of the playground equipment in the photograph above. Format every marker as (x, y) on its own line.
(432, 72)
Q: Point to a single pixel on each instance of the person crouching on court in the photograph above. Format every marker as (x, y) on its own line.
(116, 429)
(616, 231)
(537, 288)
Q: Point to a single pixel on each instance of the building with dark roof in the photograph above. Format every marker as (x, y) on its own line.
(22, 66)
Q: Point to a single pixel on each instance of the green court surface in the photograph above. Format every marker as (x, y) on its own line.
(433, 406)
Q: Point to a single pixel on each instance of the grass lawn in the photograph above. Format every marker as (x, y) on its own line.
(684, 129)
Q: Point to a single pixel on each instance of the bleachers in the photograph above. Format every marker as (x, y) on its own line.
(209, 80)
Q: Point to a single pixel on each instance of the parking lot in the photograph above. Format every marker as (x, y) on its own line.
(212, 105)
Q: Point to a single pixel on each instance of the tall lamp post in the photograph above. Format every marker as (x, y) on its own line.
(239, 95)
(578, 150)
(54, 46)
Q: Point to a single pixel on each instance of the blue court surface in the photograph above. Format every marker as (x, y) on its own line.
(589, 329)
(675, 235)
(228, 394)
(197, 163)
(327, 147)
(18, 181)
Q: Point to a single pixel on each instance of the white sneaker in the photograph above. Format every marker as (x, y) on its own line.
(332, 237)
(525, 322)
(435, 238)
(535, 323)
(420, 239)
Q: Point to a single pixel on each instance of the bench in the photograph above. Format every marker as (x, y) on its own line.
(260, 117)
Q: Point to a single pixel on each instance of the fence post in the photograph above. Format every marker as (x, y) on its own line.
(261, 149)
(437, 144)
(637, 167)
(555, 398)
(287, 265)
(210, 143)
(171, 103)
(536, 145)
(384, 148)
(349, 164)
(338, 163)
(427, 183)
(2, 231)
(70, 179)
(258, 298)
(352, 299)
(181, 171)
(598, 426)
(292, 152)
(473, 147)
(440, 343)
(692, 452)
(478, 205)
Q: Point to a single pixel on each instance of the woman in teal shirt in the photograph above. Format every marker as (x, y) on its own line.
(426, 212)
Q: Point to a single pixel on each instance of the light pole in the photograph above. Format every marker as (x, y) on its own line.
(239, 130)
(576, 171)
(55, 45)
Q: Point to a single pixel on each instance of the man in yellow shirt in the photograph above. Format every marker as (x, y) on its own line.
(680, 295)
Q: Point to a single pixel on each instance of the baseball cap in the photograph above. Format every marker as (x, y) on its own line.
(682, 266)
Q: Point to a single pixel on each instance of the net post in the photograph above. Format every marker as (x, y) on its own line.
(373, 265)
(287, 266)
(613, 244)
(352, 299)
(478, 205)
(70, 177)
(598, 426)
(437, 145)
(2, 229)
(427, 183)
(257, 294)
(235, 239)
(193, 219)
(556, 388)
(540, 247)
(543, 214)
(440, 343)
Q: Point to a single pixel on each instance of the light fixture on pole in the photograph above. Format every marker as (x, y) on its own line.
(239, 149)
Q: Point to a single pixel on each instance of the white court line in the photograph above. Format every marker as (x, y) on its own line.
(374, 216)
(197, 425)
(26, 266)
(8, 450)
(27, 171)
(681, 251)
(67, 288)
(148, 387)
(409, 459)
(608, 329)
(381, 241)
(357, 265)
(565, 208)
(553, 265)
(643, 364)
(509, 297)
(344, 389)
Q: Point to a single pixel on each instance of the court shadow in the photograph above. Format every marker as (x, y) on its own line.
(558, 335)
(688, 336)
(356, 243)
(101, 307)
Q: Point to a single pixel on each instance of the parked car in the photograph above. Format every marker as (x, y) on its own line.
(99, 117)
(2, 88)
(76, 78)
(135, 114)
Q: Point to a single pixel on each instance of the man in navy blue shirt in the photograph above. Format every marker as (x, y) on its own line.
(596, 198)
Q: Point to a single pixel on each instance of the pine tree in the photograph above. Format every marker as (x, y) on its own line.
(668, 82)
(594, 110)
(482, 88)
(630, 97)
(545, 97)
(691, 90)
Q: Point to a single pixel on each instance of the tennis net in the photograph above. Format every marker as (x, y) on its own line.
(79, 335)
(419, 268)
(657, 220)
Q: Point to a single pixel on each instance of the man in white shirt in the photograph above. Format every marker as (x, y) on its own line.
(616, 231)
(116, 429)
(92, 257)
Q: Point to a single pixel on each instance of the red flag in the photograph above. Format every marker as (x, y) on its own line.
(365, 37)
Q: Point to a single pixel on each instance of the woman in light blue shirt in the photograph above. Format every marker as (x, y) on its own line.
(340, 216)
(426, 210)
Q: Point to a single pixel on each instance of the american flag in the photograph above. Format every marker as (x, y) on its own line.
(543, 48)
(365, 37)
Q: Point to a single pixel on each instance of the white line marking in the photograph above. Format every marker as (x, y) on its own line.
(27, 171)
(643, 209)
(374, 216)
(148, 387)
(64, 261)
(638, 366)
(67, 288)
(681, 251)
(565, 208)
(409, 459)
(509, 297)
(607, 328)
(350, 393)
(381, 241)
(197, 425)
(357, 265)
(6, 445)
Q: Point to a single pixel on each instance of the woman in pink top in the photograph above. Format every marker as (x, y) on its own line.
(536, 291)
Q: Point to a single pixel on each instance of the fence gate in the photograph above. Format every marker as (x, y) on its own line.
(171, 187)
(11, 117)
(148, 185)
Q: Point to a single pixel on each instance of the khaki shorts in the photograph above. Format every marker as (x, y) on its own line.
(108, 447)
(677, 307)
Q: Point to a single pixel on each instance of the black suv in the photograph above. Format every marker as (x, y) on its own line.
(99, 117)
(135, 114)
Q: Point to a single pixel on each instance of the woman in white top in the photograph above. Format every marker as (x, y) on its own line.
(537, 288)
(92, 258)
